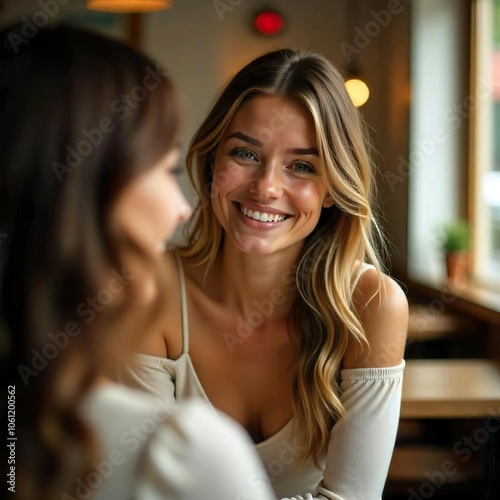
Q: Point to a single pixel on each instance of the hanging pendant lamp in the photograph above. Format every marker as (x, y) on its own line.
(355, 85)
(358, 91)
(128, 6)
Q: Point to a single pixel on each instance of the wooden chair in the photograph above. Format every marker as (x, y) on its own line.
(425, 471)
(423, 463)
(433, 333)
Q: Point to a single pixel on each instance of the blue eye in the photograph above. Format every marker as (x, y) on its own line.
(243, 153)
(304, 168)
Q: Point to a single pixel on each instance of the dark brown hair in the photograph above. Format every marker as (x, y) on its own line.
(81, 117)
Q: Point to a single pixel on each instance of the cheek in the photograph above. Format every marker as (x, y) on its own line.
(228, 177)
(308, 196)
(148, 213)
(151, 202)
(165, 205)
(171, 208)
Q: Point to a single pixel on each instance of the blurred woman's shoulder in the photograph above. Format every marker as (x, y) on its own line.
(151, 450)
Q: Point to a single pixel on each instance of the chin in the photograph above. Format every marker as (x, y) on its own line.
(161, 247)
(255, 247)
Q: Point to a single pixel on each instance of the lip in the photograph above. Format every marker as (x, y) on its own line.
(259, 224)
(260, 208)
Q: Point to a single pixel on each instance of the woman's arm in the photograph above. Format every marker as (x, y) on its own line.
(361, 443)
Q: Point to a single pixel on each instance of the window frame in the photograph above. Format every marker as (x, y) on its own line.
(478, 152)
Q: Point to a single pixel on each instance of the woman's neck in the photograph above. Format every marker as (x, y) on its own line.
(247, 283)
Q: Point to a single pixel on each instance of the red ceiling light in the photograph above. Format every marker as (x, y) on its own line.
(269, 23)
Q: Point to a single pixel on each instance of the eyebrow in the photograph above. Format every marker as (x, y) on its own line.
(259, 144)
(303, 151)
(246, 138)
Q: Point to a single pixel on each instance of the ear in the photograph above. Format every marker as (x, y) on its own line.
(211, 160)
(210, 170)
(328, 201)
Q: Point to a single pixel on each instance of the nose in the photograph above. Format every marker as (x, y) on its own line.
(268, 183)
(184, 208)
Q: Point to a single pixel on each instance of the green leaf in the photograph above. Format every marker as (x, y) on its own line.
(455, 236)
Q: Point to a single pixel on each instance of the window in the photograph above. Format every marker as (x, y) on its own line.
(441, 102)
(485, 171)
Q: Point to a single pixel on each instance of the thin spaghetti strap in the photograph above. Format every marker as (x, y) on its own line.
(184, 310)
(364, 266)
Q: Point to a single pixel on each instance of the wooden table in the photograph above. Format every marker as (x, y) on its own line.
(463, 389)
(451, 388)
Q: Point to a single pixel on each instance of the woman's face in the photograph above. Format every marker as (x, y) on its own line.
(150, 208)
(267, 189)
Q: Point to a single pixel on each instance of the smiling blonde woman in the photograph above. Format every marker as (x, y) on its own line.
(281, 315)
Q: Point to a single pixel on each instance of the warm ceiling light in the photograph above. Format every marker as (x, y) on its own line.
(358, 91)
(128, 5)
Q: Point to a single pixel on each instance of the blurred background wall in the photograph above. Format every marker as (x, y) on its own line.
(203, 42)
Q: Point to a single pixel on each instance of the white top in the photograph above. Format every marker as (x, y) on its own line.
(354, 465)
(150, 452)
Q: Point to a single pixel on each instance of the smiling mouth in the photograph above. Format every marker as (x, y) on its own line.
(261, 216)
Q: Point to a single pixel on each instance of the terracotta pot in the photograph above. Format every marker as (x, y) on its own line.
(456, 267)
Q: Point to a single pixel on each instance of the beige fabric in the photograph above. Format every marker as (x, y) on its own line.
(150, 452)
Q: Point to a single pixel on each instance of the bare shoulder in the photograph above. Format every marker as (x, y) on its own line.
(382, 308)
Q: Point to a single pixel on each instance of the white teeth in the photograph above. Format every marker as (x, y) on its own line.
(261, 216)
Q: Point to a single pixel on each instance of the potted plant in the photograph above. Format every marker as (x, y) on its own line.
(455, 243)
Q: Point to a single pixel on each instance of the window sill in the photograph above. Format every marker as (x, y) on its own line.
(470, 299)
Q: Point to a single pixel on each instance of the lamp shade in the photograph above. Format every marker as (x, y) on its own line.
(358, 91)
(128, 5)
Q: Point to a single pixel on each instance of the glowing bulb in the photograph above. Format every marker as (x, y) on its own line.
(358, 91)
(269, 23)
(128, 5)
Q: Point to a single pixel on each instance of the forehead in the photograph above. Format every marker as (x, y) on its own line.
(275, 118)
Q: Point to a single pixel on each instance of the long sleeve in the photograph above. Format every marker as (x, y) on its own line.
(362, 442)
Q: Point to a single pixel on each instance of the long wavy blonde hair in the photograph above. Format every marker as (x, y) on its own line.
(323, 319)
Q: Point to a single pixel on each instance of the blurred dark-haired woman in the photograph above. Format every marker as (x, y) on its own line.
(89, 144)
